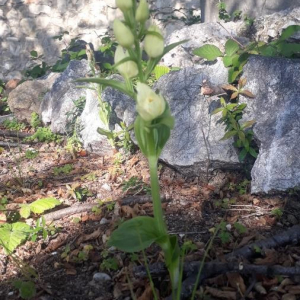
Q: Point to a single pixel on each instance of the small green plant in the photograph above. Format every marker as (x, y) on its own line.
(108, 263)
(83, 255)
(72, 116)
(42, 229)
(66, 169)
(135, 186)
(225, 203)
(4, 108)
(223, 14)
(38, 206)
(277, 213)
(224, 235)
(40, 68)
(243, 187)
(232, 113)
(26, 288)
(44, 134)
(14, 233)
(236, 55)
(67, 54)
(3, 202)
(14, 125)
(82, 193)
(35, 121)
(31, 154)
(240, 228)
(90, 177)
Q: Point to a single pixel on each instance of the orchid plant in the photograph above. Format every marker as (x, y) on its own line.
(152, 126)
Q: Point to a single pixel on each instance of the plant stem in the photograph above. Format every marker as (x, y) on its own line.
(157, 209)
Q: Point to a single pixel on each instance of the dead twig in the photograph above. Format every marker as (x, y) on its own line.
(290, 236)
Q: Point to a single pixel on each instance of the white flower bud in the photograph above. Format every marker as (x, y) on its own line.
(142, 12)
(154, 45)
(123, 34)
(149, 104)
(124, 5)
(127, 69)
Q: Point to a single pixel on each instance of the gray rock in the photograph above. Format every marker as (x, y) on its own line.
(187, 150)
(199, 35)
(123, 109)
(276, 84)
(99, 277)
(60, 100)
(103, 221)
(27, 97)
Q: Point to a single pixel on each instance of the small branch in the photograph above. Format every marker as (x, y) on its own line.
(208, 163)
(8, 144)
(76, 209)
(231, 35)
(8, 133)
(290, 236)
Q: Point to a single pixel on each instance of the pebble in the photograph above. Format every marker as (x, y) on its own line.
(103, 221)
(98, 277)
(106, 187)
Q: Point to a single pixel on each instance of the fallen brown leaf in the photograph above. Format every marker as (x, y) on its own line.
(221, 294)
(236, 281)
(86, 237)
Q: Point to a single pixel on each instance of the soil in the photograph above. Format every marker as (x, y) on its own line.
(68, 261)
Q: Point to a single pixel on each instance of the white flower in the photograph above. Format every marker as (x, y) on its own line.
(142, 12)
(127, 69)
(154, 45)
(123, 34)
(149, 104)
(124, 4)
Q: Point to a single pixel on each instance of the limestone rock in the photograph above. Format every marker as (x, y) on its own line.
(123, 109)
(60, 100)
(199, 35)
(187, 150)
(26, 98)
(276, 109)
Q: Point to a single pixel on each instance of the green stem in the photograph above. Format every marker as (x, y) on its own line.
(157, 209)
(139, 59)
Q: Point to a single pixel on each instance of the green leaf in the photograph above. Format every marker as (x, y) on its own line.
(118, 85)
(248, 124)
(252, 152)
(233, 74)
(242, 154)
(241, 135)
(217, 110)
(228, 135)
(25, 211)
(135, 235)
(231, 106)
(227, 61)
(289, 31)
(160, 71)
(209, 52)
(288, 49)
(105, 132)
(222, 101)
(12, 235)
(34, 53)
(231, 47)
(268, 51)
(141, 134)
(26, 288)
(41, 205)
